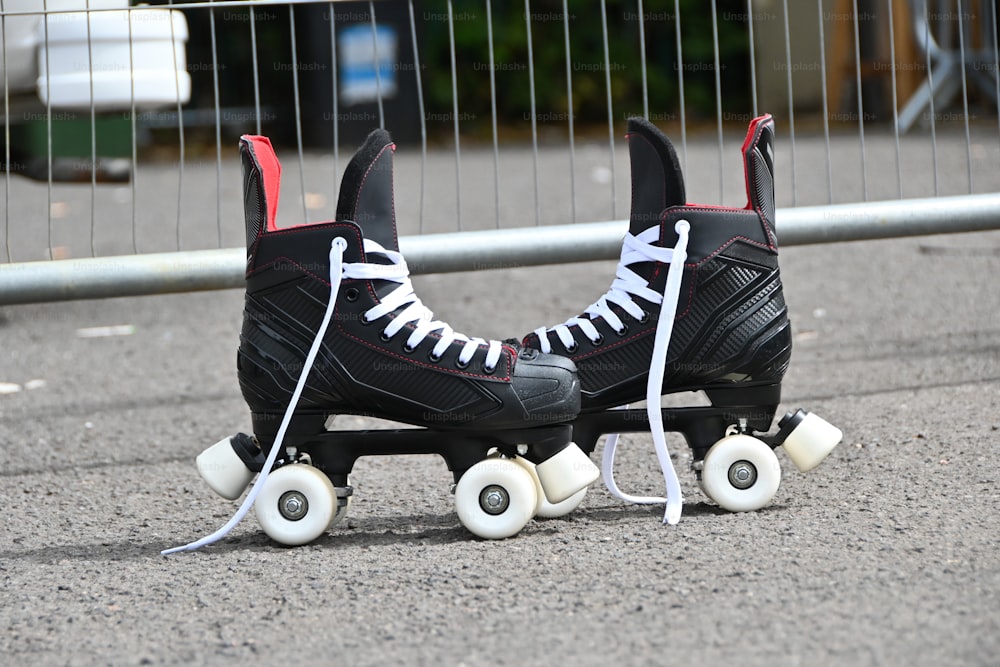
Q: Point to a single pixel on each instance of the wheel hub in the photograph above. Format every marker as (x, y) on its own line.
(742, 475)
(494, 499)
(293, 505)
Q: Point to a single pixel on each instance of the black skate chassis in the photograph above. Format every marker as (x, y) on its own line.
(499, 478)
(335, 452)
(751, 410)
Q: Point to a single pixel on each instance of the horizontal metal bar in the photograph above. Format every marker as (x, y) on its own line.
(806, 225)
(161, 273)
(125, 275)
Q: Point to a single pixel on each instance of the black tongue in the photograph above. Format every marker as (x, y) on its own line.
(366, 191)
(657, 181)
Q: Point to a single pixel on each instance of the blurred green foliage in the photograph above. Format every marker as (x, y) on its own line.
(588, 66)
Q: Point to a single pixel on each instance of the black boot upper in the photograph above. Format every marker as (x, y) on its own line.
(731, 327)
(359, 369)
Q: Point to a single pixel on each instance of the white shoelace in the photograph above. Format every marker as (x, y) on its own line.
(398, 272)
(415, 311)
(627, 284)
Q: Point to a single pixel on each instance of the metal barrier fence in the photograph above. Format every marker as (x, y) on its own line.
(509, 119)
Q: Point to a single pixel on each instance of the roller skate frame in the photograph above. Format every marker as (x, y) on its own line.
(498, 487)
(734, 346)
(505, 441)
(501, 476)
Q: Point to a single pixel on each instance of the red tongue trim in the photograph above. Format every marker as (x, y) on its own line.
(267, 164)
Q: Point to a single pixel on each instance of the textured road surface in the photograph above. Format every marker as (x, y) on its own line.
(887, 554)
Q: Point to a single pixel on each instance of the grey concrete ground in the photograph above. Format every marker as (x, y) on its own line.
(887, 554)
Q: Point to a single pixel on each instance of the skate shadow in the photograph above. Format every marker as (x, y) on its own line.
(365, 531)
(98, 552)
(361, 532)
(414, 529)
(618, 512)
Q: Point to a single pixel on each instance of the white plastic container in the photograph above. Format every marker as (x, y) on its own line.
(19, 42)
(109, 75)
(20, 36)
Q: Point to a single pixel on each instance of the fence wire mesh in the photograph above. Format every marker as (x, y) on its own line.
(506, 115)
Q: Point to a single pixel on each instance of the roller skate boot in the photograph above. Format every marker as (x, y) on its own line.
(696, 305)
(332, 326)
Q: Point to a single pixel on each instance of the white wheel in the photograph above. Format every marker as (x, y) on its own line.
(495, 498)
(543, 508)
(296, 505)
(740, 473)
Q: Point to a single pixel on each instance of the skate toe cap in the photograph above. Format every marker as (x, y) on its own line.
(547, 385)
(529, 357)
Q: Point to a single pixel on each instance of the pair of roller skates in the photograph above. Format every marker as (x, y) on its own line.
(332, 326)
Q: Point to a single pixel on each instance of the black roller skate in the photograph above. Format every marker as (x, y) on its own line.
(332, 326)
(696, 305)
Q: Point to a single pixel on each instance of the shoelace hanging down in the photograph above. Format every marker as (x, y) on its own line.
(627, 284)
(415, 311)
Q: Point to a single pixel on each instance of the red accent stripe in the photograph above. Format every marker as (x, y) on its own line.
(270, 171)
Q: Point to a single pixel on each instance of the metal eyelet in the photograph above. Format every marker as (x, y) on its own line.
(644, 319)
(574, 347)
(461, 364)
(597, 341)
(489, 370)
(623, 330)
(351, 294)
(408, 349)
(384, 337)
(434, 357)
